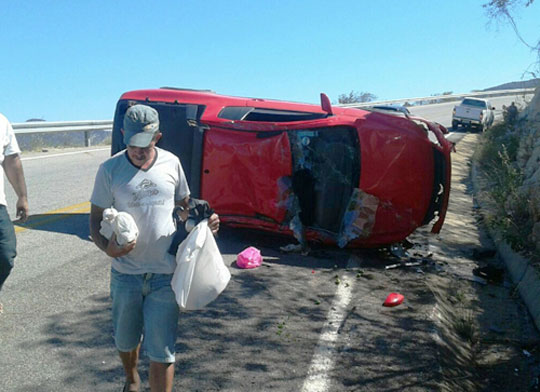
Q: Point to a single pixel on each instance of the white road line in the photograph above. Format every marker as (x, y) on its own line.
(64, 153)
(318, 378)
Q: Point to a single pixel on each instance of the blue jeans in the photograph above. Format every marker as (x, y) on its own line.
(145, 305)
(8, 245)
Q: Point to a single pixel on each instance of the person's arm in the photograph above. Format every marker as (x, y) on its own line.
(110, 247)
(14, 172)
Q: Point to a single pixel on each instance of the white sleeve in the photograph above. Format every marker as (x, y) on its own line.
(10, 146)
(102, 194)
(182, 188)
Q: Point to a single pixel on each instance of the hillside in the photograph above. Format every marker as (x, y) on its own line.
(516, 85)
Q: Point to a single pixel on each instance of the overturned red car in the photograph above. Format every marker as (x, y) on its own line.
(334, 175)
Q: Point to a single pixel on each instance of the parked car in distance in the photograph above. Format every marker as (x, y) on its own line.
(473, 112)
(392, 108)
(398, 110)
(318, 173)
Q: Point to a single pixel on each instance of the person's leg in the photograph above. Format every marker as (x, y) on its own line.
(130, 360)
(161, 376)
(127, 315)
(160, 325)
(8, 245)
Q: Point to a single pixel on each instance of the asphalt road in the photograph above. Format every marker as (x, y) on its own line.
(298, 323)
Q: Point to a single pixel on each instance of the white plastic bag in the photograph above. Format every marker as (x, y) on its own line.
(121, 223)
(200, 275)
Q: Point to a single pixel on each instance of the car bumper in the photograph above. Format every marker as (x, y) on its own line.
(466, 121)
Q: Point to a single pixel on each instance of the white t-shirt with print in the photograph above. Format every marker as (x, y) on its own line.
(9, 146)
(149, 196)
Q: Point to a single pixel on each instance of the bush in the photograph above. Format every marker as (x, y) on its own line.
(497, 161)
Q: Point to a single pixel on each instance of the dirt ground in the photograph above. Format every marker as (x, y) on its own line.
(486, 337)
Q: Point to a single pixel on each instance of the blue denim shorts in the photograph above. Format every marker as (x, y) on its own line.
(144, 308)
(8, 244)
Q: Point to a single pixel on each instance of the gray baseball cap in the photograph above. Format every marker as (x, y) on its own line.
(141, 123)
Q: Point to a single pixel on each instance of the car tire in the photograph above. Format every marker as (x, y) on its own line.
(454, 124)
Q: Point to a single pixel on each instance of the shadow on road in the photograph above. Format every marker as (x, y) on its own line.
(65, 223)
(81, 342)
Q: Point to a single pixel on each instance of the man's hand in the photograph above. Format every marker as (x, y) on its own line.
(22, 209)
(213, 223)
(115, 250)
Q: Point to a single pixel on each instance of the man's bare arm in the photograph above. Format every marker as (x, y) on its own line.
(14, 172)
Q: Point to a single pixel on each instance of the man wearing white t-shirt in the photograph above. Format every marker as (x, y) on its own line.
(148, 183)
(11, 165)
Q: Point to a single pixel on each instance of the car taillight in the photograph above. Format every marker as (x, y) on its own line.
(481, 115)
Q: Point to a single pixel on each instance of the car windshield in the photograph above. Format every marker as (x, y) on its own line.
(474, 102)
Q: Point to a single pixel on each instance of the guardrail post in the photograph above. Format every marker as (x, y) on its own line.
(86, 138)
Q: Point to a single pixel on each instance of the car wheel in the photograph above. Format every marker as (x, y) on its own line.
(454, 125)
(480, 128)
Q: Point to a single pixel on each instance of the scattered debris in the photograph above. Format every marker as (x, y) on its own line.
(359, 217)
(393, 299)
(398, 251)
(407, 244)
(280, 327)
(249, 258)
(291, 248)
(413, 263)
(490, 273)
(295, 248)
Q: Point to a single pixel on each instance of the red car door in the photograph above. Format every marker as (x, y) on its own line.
(245, 173)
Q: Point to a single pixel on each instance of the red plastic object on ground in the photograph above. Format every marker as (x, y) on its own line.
(249, 258)
(393, 299)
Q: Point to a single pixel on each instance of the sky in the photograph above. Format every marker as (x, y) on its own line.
(71, 60)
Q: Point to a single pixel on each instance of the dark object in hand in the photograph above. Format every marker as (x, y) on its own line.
(198, 211)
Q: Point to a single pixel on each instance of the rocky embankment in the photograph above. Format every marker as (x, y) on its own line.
(528, 161)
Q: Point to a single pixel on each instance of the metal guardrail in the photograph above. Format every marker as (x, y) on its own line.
(43, 127)
(443, 98)
(96, 125)
(61, 126)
